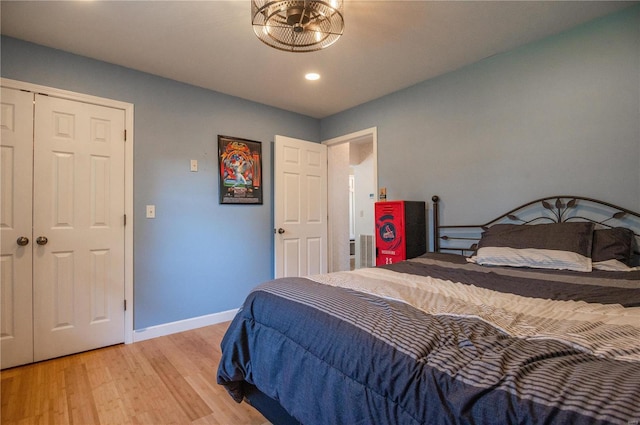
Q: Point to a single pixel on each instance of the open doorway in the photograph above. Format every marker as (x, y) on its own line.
(352, 192)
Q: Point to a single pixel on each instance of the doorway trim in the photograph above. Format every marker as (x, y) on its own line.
(366, 135)
(128, 178)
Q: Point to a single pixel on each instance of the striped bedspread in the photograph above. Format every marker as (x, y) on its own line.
(437, 340)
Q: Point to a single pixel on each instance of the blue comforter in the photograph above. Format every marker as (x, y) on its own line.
(334, 355)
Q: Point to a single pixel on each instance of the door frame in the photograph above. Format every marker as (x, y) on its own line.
(128, 178)
(368, 134)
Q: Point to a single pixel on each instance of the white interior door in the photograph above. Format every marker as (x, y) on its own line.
(78, 227)
(300, 207)
(16, 173)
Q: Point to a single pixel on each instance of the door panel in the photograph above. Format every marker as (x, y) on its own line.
(291, 257)
(315, 201)
(79, 198)
(291, 201)
(314, 256)
(16, 174)
(300, 208)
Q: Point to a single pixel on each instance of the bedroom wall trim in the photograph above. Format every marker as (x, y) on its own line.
(183, 325)
(128, 175)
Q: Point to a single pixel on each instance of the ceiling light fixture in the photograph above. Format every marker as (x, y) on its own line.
(312, 76)
(298, 25)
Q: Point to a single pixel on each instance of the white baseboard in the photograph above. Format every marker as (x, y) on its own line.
(183, 325)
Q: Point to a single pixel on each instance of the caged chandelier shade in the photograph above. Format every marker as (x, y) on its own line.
(298, 25)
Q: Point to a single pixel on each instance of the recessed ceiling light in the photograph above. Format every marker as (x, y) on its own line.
(312, 76)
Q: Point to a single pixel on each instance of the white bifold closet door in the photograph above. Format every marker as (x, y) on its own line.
(16, 259)
(66, 196)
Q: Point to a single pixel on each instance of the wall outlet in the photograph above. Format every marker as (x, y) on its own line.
(151, 211)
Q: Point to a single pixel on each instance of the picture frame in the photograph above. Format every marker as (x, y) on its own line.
(240, 171)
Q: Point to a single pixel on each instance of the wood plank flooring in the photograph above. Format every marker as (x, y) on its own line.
(166, 380)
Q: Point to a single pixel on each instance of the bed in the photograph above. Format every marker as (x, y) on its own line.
(530, 318)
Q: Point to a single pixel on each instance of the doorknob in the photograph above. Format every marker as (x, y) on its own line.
(280, 230)
(42, 240)
(22, 241)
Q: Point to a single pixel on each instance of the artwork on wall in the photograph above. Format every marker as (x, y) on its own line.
(240, 166)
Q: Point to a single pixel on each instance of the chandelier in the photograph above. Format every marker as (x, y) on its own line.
(298, 25)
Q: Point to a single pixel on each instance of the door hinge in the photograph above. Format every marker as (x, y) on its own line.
(125, 305)
(125, 219)
(125, 134)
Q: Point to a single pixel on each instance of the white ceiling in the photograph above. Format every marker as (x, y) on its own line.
(386, 46)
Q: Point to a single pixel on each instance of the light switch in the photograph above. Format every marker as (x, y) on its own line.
(151, 211)
(194, 165)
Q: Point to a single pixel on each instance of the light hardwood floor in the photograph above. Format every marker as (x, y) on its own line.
(166, 380)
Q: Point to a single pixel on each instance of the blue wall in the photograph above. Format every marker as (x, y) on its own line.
(559, 116)
(197, 257)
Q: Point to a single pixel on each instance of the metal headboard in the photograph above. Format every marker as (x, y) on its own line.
(552, 209)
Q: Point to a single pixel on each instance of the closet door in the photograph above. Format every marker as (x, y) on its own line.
(78, 227)
(16, 168)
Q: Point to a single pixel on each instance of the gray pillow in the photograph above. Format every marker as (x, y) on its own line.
(613, 244)
(564, 246)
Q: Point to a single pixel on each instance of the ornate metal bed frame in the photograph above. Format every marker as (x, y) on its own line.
(463, 238)
(552, 209)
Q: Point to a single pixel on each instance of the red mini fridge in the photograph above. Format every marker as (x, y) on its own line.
(401, 231)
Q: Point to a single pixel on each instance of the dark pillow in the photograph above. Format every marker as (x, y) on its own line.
(565, 246)
(612, 244)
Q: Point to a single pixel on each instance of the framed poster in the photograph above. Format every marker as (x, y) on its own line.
(240, 166)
